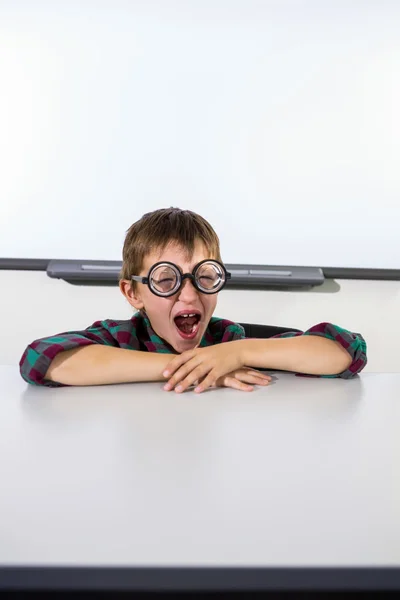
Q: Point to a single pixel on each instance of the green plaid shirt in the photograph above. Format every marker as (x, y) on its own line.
(138, 334)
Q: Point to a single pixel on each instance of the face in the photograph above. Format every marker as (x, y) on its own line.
(162, 312)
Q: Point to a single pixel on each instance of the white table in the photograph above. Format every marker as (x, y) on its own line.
(293, 485)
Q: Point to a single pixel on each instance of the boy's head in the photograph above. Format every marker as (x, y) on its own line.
(183, 238)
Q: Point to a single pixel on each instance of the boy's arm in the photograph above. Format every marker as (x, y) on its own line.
(97, 364)
(325, 350)
(90, 357)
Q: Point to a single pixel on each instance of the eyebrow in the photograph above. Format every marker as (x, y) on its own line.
(179, 266)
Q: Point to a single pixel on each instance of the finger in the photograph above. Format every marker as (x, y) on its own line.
(208, 381)
(181, 373)
(186, 375)
(263, 376)
(200, 372)
(259, 373)
(176, 362)
(234, 383)
(252, 378)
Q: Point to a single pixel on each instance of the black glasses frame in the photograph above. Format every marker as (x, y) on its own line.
(182, 276)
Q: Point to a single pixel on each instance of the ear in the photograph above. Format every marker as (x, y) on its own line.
(133, 296)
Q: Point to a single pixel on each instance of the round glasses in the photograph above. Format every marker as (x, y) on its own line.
(165, 279)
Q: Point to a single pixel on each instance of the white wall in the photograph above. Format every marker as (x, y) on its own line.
(279, 113)
(33, 305)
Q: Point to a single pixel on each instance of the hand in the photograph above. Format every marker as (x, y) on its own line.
(204, 365)
(240, 380)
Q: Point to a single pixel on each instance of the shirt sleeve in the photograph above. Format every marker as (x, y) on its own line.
(232, 332)
(354, 343)
(37, 357)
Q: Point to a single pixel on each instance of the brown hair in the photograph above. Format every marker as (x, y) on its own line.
(155, 230)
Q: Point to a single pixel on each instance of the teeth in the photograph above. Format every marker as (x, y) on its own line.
(189, 315)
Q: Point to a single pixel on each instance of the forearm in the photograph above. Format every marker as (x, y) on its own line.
(309, 354)
(98, 364)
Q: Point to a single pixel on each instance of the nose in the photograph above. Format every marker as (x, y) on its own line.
(188, 292)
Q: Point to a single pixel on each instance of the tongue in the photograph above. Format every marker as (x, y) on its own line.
(185, 323)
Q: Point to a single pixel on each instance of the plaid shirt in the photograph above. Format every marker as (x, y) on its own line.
(138, 334)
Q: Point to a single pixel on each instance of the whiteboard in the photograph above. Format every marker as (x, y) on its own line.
(277, 120)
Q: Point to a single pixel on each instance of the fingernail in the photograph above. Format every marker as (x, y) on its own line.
(178, 388)
(167, 386)
(197, 389)
(166, 373)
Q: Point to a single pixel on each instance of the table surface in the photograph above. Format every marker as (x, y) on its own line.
(302, 473)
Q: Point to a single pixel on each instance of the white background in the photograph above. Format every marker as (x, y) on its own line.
(276, 120)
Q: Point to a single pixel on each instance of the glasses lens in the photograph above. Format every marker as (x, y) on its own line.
(210, 277)
(163, 279)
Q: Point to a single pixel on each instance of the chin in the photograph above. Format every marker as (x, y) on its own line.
(182, 346)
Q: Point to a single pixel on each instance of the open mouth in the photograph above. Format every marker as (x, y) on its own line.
(188, 325)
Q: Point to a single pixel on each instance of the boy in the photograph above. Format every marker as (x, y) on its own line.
(171, 273)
